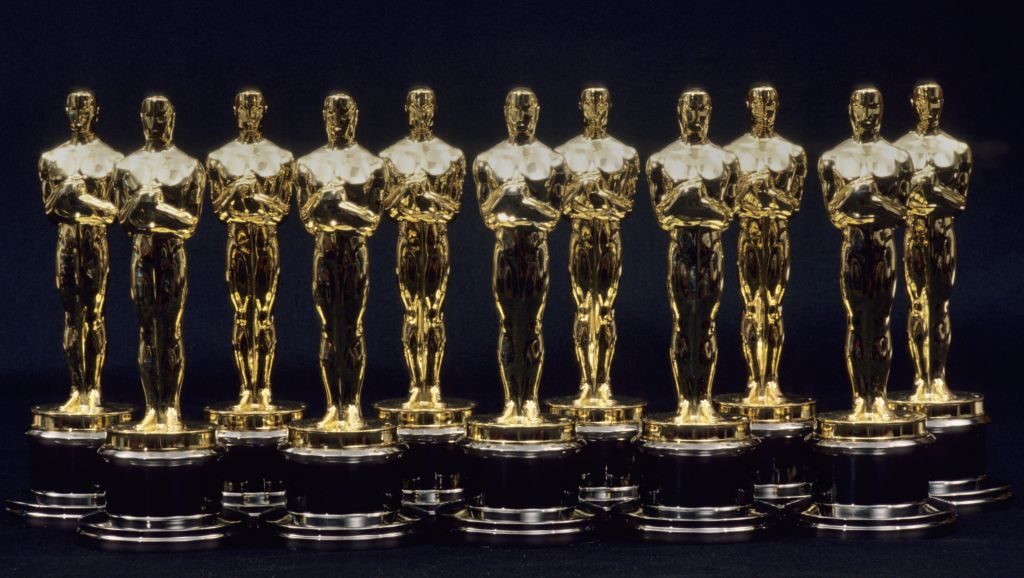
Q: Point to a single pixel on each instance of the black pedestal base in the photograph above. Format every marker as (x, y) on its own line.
(782, 462)
(696, 491)
(958, 465)
(431, 474)
(873, 487)
(607, 464)
(64, 473)
(160, 500)
(520, 493)
(343, 498)
(252, 470)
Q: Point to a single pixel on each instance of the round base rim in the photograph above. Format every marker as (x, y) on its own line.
(790, 409)
(36, 514)
(524, 532)
(781, 494)
(226, 416)
(488, 428)
(341, 537)
(988, 494)
(191, 436)
(745, 524)
(618, 410)
(50, 417)
(211, 532)
(452, 411)
(963, 405)
(930, 517)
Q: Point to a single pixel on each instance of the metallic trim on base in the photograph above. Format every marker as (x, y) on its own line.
(429, 501)
(782, 494)
(252, 503)
(343, 531)
(704, 525)
(56, 509)
(148, 534)
(928, 518)
(523, 527)
(972, 494)
(607, 498)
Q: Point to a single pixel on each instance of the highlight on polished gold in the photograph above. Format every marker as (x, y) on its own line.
(693, 190)
(866, 183)
(423, 195)
(519, 186)
(159, 192)
(340, 189)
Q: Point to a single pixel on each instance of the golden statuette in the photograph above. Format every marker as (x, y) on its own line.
(423, 196)
(601, 182)
(251, 182)
(519, 186)
(159, 192)
(76, 178)
(693, 189)
(340, 189)
(942, 168)
(866, 182)
(770, 186)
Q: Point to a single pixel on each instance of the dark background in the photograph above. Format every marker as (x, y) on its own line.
(200, 54)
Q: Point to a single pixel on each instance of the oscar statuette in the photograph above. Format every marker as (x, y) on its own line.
(251, 181)
(343, 473)
(521, 475)
(162, 473)
(871, 461)
(942, 169)
(423, 196)
(769, 187)
(601, 176)
(696, 466)
(64, 468)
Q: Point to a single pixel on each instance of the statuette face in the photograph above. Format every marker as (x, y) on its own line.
(340, 190)
(866, 182)
(942, 170)
(693, 191)
(519, 187)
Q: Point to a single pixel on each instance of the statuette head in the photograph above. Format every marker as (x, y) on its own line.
(421, 105)
(595, 102)
(763, 104)
(927, 102)
(694, 110)
(250, 108)
(521, 113)
(82, 112)
(157, 116)
(866, 114)
(340, 118)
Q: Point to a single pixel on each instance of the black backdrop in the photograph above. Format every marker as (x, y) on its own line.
(200, 54)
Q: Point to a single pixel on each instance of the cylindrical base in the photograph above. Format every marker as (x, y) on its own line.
(873, 485)
(64, 469)
(432, 474)
(698, 489)
(607, 464)
(782, 461)
(160, 499)
(432, 433)
(253, 470)
(957, 458)
(520, 492)
(343, 495)
(64, 472)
